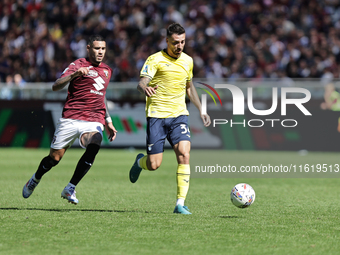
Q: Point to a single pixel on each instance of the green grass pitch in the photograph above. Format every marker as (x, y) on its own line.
(289, 216)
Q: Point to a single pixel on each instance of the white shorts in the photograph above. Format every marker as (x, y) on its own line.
(68, 130)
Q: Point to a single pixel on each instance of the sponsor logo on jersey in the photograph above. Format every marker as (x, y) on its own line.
(99, 83)
(96, 92)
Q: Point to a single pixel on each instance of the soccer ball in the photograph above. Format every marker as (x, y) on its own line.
(242, 195)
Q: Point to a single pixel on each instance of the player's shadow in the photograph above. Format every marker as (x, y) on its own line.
(71, 210)
(88, 210)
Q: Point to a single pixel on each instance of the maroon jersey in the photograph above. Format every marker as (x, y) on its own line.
(86, 93)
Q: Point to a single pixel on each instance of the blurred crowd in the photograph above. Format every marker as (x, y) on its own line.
(228, 39)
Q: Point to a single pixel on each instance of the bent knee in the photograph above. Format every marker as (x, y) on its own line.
(57, 155)
(154, 165)
(184, 156)
(92, 137)
(96, 138)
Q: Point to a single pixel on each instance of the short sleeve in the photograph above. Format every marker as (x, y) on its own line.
(74, 66)
(191, 67)
(149, 68)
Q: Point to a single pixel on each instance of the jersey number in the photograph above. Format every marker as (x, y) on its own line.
(99, 83)
(185, 129)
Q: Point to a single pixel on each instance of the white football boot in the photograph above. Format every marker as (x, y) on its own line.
(29, 187)
(70, 194)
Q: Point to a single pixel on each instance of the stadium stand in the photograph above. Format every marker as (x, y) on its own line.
(231, 39)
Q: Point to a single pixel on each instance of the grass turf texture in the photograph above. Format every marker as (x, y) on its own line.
(289, 216)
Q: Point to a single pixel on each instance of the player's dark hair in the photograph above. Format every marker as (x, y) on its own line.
(93, 38)
(175, 28)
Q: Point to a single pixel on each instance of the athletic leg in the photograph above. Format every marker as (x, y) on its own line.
(179, 138)
(92, 143)
(45, 165)
(146, 162)
(155, 138)
(151, 162)
(182, 150)
(49, 161)
(90, 137)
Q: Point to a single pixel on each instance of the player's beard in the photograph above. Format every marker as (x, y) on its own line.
(99, 59)
(96, 60)
(176, 53)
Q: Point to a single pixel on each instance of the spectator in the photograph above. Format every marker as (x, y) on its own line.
(4, 20)
(6, 92)
(18, 80)
(250, 39)
(78, 46)
(172, 15)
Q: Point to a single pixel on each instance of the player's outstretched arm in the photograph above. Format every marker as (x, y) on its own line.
(193, 96)
(62, 82)
(144, 88)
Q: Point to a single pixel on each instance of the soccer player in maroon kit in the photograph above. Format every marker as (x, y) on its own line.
(84, 116)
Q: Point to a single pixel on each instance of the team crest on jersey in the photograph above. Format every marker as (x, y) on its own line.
(106, 72)
(92, 73)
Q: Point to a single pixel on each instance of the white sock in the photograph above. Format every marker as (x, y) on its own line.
(180, 201)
